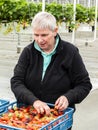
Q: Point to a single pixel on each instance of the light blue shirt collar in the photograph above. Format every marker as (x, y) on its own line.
(46, 57)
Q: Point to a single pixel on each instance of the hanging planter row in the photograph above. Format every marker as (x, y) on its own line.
(17, 14)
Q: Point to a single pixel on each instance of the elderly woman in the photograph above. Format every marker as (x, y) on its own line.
(49, 69)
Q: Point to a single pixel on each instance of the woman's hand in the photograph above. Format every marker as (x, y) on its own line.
(41, 107)
(61, 103)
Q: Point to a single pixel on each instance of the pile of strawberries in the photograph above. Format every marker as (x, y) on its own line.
(27, 118)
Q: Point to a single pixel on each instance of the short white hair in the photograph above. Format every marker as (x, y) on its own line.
(44, 20)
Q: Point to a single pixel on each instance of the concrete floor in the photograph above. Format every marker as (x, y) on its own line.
(86, 115)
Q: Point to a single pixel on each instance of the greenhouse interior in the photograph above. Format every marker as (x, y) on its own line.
(77, 22)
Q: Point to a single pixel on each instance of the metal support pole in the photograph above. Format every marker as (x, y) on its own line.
(18, 45)
(78, 1)
(43, 5)
(95, 31)
(89, 3)
(74, 19)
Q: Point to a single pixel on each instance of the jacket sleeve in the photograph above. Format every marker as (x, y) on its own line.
(80, 80)
(18, 86)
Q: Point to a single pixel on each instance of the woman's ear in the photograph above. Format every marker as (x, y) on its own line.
(55, 31)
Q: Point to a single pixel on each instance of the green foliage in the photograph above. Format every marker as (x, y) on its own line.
(91, 15)
(22, 12)
(56, 10)
(84, 14)
(68, 13)
(34, 8)
(12, 10)
(81, 13)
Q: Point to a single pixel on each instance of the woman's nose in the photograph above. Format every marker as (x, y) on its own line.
(40, 39)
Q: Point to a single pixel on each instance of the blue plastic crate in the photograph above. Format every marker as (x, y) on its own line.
(63, 122)
(3, 105)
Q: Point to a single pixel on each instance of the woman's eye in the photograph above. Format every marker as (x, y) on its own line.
(44, 35)
(36, 35)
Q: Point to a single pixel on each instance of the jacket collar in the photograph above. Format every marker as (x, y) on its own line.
(60, 46)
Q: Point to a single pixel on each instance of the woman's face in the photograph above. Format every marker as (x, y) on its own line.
(45, 38)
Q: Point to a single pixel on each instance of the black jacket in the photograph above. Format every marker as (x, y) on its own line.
(65, 75)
